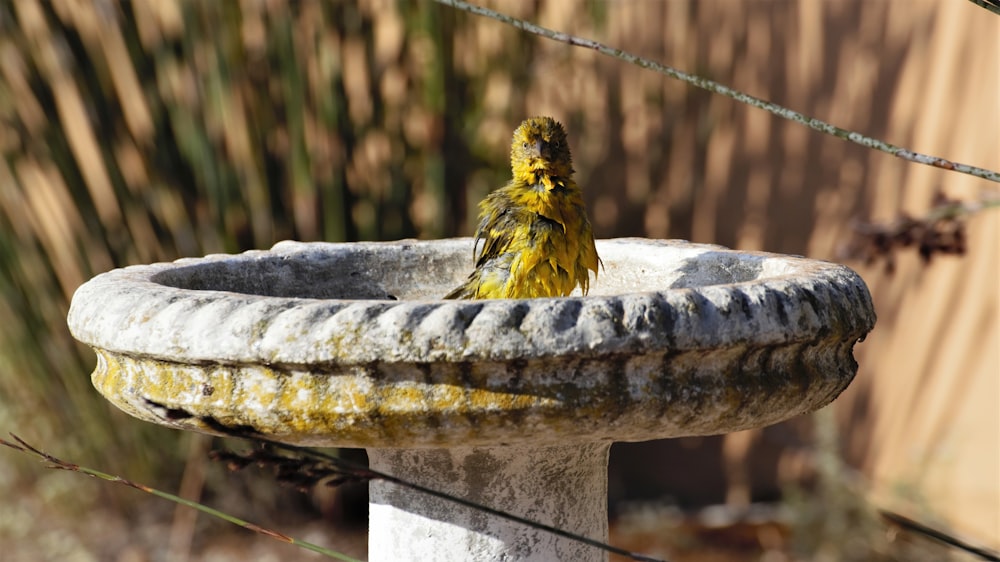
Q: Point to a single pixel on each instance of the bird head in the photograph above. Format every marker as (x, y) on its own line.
(539, 148)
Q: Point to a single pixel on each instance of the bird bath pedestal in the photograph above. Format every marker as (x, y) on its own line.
(508, 403)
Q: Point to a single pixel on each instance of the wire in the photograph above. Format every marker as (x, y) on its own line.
(356, 470)
(941, 536)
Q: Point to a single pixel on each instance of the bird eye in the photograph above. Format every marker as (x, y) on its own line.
(555, 144)
(524, 145)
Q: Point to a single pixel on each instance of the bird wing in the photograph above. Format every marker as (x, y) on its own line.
(498, 225)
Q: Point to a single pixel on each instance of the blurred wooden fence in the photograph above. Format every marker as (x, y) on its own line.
(140, 131)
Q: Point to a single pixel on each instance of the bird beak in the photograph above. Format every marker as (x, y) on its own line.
(541, 149)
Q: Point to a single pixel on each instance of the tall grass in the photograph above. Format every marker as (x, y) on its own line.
(135, 132)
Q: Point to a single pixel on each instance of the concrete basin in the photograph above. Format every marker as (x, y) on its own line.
(510, 403)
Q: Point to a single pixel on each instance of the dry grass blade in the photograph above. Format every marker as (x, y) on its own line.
(57, 463)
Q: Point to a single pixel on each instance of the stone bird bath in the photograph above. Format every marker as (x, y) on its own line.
(508, 403)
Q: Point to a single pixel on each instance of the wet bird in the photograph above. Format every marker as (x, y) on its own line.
(536, 238)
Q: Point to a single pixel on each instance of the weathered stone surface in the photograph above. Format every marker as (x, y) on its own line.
(565, 487)
(348, 345)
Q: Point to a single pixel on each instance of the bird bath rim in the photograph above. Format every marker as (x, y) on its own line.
(771, 338)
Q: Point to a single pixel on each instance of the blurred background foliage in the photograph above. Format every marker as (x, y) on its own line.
(145, 131)
(135, 131)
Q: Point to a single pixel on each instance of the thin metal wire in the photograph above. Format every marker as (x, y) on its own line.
(917, 527)
(357, 470)
(991, 5)
(712, 86)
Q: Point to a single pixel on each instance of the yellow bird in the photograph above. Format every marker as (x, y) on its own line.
(537, 240)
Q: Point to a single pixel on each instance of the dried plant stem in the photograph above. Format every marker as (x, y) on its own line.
(60, 464)
(713, 86)
(344, 470)
(960, 209)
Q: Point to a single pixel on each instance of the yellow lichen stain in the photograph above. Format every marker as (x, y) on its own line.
(340, 341)
(256, 390)
(443, 398)
(222, 381)
(481, 400)
(137, 386)
(358, 406)
(293, 393)
(109, 379)
(355, 398)
(407, 397)
(331, 404)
